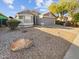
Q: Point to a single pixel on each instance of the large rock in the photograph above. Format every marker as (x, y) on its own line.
(20, 44)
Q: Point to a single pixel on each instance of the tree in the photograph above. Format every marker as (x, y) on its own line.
(53, 9)
(62, 7)
(58, 10)
(75, 19)
(71, 5)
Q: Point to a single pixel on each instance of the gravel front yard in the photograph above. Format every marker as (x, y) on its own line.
(45, 46)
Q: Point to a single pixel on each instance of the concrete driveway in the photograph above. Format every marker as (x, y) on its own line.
(68, 33)
(71, 35)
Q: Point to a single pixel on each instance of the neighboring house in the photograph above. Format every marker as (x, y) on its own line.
(28, 18)
(48, 15)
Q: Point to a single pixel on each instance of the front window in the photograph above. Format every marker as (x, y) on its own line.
(21, 17)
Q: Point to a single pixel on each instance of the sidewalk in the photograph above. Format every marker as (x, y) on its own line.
(73, 52)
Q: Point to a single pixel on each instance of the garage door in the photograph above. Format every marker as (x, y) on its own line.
(47, 21)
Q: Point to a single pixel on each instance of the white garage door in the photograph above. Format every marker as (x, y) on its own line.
(47, 21)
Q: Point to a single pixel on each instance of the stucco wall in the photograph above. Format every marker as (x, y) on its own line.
(27, 20)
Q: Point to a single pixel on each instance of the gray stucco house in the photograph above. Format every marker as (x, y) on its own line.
(28, 18)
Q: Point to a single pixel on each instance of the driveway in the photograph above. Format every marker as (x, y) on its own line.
(71, 35)
(73, 52)
(68, 33)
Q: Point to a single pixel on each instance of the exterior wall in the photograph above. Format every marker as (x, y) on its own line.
(26, 21)
(46, 21)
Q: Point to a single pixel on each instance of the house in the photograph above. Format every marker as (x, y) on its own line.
(48, 15)
(28, 18)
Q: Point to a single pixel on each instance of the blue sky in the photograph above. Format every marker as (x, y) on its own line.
(11, 7)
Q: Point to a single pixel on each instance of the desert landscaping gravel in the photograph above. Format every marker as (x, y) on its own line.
(45, 46)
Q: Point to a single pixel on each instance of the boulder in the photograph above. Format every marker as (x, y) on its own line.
(20, 44)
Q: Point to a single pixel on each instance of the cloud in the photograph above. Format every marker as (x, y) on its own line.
(42, 5)
(42, 10)
(39, 2)
(11, 6)
(48, 2)
(9, 3)
(23, 7)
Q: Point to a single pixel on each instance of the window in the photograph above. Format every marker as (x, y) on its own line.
(21, 17)
(28, 19)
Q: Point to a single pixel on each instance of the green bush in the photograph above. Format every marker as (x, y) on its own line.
(12, 24)
(59, 22)
(76, 17)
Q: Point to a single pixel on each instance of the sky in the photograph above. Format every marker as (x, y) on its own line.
(11, 7)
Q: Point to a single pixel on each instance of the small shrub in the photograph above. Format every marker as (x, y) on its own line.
(12, 24)
(59, 22)
(68, 23)
(75, 19)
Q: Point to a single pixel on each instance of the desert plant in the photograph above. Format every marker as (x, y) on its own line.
(12, 24)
